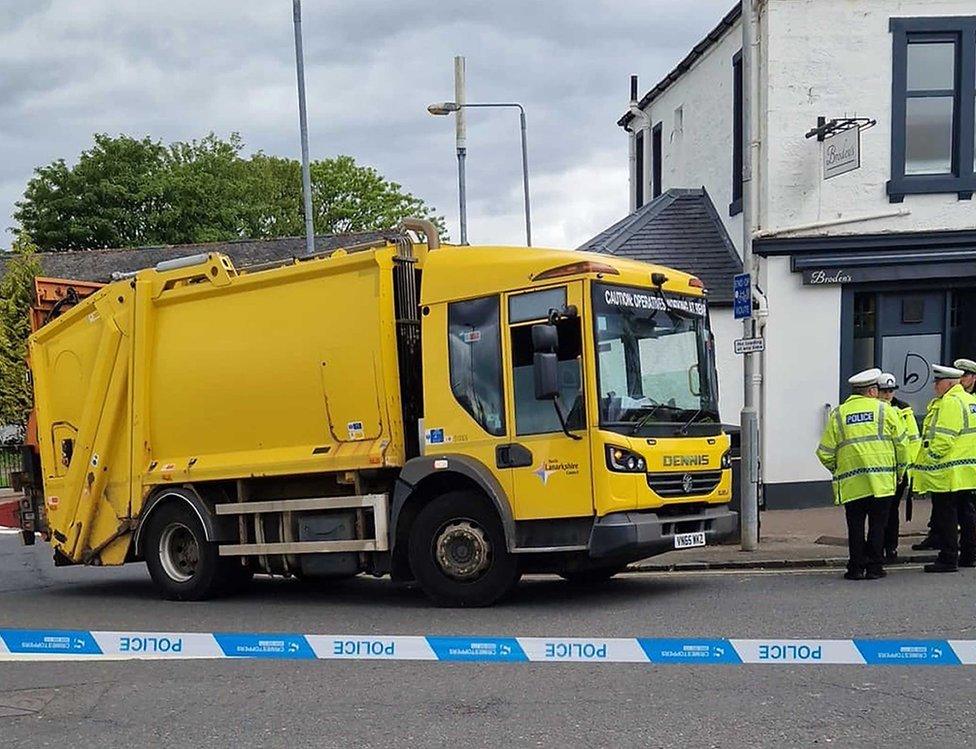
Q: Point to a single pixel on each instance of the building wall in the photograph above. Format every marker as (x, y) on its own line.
(726, 329)
(818, 57)
(802, 370)
(833, 58)
(700, 153)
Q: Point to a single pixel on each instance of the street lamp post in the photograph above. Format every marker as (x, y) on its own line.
(303, 127)
(450, 107)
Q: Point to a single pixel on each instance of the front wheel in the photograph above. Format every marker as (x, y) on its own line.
(182, 563)
(458, 554)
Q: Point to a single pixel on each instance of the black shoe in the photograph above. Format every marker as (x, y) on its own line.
(940, 567)
(926, 544)
(854, 575)
(875, 574)
(967, 562)
(891, 557)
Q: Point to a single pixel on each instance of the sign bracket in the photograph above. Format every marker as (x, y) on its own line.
(825, 128)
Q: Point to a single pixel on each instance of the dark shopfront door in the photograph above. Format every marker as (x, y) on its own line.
(905, 332)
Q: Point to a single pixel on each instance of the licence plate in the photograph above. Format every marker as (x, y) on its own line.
(689, 540)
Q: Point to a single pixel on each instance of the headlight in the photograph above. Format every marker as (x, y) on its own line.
(624, 461)
(727, 459)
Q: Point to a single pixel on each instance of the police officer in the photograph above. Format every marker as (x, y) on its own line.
(968, 382)
(865, 448)
(968, 369)
(946, 467)
(887, 385)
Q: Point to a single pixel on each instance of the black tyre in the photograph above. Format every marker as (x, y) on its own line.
(457, 551)
(182, 563)
(592, 576)
(236, 576)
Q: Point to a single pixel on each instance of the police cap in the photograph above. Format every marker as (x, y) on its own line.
(864, 379)
(966, 365)
(941, 372)
(887, 381)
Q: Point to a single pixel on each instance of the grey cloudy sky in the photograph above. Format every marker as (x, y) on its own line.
(178, 69)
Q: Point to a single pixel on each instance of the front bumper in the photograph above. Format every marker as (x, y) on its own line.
(645, 533)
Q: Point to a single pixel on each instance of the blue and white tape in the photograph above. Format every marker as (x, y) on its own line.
(84, 645)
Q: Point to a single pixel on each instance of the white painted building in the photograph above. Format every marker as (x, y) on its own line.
(876, 266)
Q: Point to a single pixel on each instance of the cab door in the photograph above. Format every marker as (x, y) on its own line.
(550, 470)
(464, 393)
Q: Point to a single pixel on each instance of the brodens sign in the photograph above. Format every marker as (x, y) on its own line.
(821, 277)
(842, 153)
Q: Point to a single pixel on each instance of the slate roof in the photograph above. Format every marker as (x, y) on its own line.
(98, 265)
(680, 229)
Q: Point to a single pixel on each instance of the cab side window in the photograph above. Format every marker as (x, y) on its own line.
(474, 351)
(539, 416)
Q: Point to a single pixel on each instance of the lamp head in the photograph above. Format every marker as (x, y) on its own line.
(444, 107)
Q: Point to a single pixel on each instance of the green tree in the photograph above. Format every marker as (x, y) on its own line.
(128, 192)
(16, 297)
(110, 198)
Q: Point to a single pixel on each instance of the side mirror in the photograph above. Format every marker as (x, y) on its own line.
(545, 366)
(545, 338)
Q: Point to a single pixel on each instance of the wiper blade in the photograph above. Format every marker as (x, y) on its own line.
(647, 417)
(684, 427)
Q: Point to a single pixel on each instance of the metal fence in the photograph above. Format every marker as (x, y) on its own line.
(9, 462)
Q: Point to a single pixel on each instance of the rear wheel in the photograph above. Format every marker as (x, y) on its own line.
(182, 563)
(458, 554)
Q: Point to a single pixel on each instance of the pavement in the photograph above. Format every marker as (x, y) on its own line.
(814, 537)
(226, 703)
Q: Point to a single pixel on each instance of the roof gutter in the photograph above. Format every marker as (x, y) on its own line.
(643, 122)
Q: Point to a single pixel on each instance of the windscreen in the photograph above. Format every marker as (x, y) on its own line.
(655, 363)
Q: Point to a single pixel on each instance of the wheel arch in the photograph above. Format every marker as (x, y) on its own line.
(186, 495)
(424, 478)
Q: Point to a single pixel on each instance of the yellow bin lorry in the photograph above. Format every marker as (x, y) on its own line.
(455, 416)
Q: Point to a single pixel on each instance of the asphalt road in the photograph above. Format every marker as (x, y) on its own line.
(345, 704)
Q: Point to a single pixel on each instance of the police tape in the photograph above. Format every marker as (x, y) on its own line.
(83, 645)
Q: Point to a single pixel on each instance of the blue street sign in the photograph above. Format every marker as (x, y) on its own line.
(741, 296)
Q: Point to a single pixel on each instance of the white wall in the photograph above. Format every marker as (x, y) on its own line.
(802, 372)
(833, 58)
(728, 363)
(819, 57)
(702, 153)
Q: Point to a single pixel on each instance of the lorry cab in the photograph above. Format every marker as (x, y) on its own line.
(620, 454)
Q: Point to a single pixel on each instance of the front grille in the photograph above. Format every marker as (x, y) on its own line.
(683, 484)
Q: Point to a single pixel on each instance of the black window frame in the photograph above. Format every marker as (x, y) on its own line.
(656, 150)
(962, 177)
(738, 150)
(503, 426)
(639, 169)
(576, 417)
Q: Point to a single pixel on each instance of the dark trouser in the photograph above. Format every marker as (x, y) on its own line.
(866, 553)
(954, 522)
(933, 532)
(891, 526)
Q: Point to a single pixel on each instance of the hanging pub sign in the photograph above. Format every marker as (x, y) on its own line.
(840, 141)
(842, 153)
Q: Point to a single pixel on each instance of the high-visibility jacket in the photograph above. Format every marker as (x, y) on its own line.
(911, 429)
(865, 448)
(946, 461)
